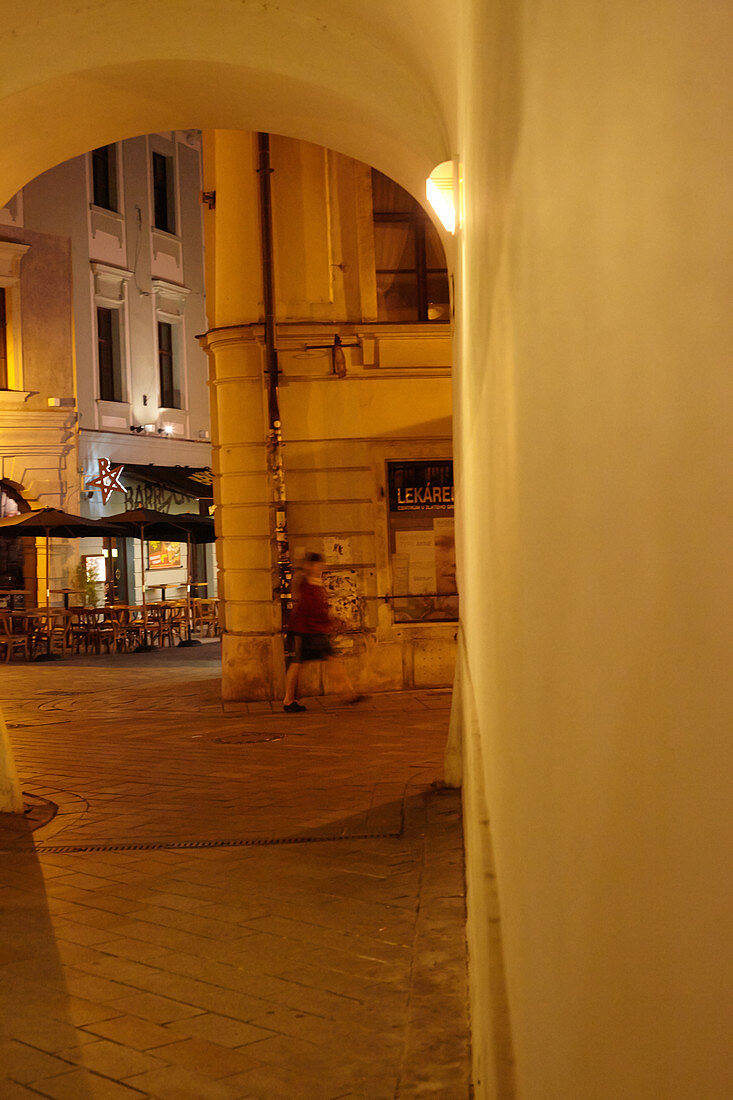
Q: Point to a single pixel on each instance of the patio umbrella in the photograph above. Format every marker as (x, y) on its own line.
(51, 523)
(146, 524)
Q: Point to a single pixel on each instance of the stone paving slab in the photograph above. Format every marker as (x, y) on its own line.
(282, 965)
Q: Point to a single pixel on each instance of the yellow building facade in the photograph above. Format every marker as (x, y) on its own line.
(38, 425)
(364, 400)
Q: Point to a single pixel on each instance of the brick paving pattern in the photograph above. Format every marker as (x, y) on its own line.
(227, 905)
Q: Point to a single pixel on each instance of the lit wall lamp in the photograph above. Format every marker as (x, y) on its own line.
(441, 192)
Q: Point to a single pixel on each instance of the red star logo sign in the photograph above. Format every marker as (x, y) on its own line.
(107, 480)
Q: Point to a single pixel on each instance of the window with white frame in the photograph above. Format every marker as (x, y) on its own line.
(170, 304)
(109, 354)
(164, 195)
(169, 366)
(104, 177)
(110, 301)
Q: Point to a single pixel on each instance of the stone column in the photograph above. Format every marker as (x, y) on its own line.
(252, 652)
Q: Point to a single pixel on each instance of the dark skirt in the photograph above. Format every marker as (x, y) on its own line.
(312, 647)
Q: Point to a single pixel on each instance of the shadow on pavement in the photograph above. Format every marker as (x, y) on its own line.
(34, 1000)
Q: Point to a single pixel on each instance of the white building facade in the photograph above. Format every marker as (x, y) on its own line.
(131, 215)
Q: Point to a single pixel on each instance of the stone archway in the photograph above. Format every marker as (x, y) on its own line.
(86, 75)
(594, 330)
(369, 87)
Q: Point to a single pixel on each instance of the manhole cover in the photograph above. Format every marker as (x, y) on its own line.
(248, 738)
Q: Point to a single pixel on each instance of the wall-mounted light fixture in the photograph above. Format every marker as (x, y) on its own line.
(338, 359)
(441, 193)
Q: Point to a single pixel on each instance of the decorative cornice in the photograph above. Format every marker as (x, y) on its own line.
(11, 254)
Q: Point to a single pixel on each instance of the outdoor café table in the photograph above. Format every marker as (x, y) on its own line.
(11, 593)
(162, 587)
(66, 592)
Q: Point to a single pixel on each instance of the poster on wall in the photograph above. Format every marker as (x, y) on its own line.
(422, 540)
(164, 555)
(96, 567)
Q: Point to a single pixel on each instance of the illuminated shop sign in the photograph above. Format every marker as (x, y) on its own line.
(422, 541)
(107, 480)
(421, 486)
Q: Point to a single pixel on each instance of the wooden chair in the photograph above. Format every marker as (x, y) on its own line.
(178, 620)
(129, 625)
(55, 628)
(13, 636)
(32, 623)
(77, 629)
(166, 620)
(205, 616)
(90, 630)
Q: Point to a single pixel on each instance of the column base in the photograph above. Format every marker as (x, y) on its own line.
(252, 667)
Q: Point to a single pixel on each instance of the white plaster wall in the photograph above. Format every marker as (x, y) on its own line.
(594, 428)
(57, 202)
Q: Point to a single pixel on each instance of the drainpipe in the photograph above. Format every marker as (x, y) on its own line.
(274, 438)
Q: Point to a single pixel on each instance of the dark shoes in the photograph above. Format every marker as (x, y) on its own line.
(293, 708)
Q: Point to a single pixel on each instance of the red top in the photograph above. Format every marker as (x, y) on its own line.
(311, 614)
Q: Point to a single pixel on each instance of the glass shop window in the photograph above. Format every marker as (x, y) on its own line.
(412, 275)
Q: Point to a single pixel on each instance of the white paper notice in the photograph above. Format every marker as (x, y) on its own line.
(445, 555)
(419, 547)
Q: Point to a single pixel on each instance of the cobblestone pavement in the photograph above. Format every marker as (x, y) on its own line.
(227, 905)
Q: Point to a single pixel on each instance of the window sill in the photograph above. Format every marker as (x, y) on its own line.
(14, 397)
(166, 234)
(107, 213)
(113, 415)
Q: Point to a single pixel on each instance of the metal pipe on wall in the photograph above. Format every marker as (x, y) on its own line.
(264, 171)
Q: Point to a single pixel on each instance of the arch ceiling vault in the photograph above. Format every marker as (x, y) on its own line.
(373, 81)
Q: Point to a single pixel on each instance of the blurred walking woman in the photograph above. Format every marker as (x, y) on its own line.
(313, 624)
